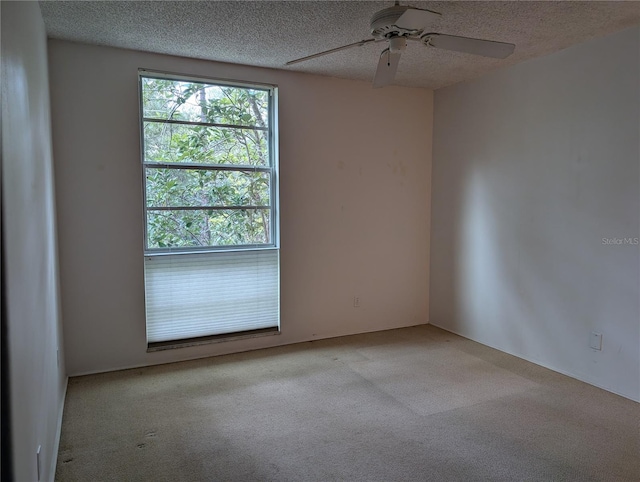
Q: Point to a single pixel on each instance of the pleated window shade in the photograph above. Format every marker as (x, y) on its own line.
(202, 294)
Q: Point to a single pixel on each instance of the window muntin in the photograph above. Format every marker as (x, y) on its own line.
(208, 165)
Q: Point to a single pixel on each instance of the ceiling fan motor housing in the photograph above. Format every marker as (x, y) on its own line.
(383, 23)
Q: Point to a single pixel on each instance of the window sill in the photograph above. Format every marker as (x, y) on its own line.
(206, 340)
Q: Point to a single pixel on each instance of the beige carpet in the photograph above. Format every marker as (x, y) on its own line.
(410, 404)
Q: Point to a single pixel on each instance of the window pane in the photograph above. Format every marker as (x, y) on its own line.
(196, 187)
(201, 228)
(200, 102)
(204, 145)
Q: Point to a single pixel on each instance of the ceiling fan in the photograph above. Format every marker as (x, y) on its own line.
(400, 23)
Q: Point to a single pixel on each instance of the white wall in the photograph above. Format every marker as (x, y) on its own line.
(355, 178)
(532, 166)
(37, 383)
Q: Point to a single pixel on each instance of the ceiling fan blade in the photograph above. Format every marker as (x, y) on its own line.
(387, 67)
(486, 48)
(327, 52)
(416, 19)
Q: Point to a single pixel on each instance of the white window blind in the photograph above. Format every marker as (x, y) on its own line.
(203, 294)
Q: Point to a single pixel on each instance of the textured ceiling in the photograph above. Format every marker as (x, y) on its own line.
(268, 34)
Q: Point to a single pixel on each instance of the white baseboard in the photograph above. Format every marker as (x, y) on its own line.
(56, 444)
(278, 343)
(541, 364)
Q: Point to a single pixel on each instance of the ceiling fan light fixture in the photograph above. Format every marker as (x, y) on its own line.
(397, 44)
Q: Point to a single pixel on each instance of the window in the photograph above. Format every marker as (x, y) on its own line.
(210, 204)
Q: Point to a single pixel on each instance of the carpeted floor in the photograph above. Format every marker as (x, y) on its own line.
(401, 405)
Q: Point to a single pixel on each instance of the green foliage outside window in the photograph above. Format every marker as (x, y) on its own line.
(208, 172)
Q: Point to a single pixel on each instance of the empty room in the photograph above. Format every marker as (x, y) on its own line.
(320, 240)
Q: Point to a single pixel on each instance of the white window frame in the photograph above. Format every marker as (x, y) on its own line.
(272, 169)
